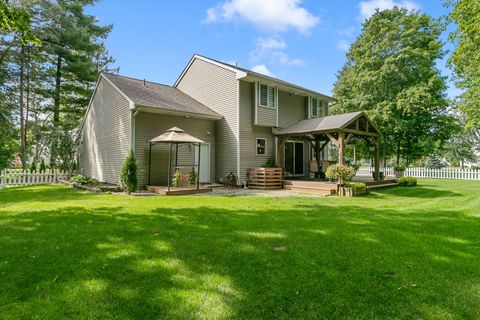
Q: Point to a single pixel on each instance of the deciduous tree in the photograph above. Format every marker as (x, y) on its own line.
(391, 74)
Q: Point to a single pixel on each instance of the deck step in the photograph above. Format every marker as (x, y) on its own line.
(321, 192)
(381, 186)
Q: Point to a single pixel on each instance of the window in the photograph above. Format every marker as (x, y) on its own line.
(316, 108)
(267, 96)
(261, 146)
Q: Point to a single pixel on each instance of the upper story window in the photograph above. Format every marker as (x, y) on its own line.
(267, 96)
(316, 108)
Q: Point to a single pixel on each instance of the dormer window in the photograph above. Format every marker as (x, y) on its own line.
(267, 96)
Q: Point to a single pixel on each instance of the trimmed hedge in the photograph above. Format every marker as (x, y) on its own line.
(407, 181)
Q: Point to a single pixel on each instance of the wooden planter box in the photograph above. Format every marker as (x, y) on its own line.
(351, 192)
(265, 178)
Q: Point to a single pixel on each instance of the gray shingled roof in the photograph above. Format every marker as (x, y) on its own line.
(320, 124)
(159, 96)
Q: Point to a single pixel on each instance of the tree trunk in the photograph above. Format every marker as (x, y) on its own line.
(56, 110)
(58, 81)
(27, 111)
(23, 156)
(398, 152)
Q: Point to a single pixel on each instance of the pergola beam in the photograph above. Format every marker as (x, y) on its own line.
(361, 133)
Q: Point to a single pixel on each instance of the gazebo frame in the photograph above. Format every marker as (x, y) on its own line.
(174, 137)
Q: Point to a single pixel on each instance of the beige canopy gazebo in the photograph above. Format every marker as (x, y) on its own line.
(174, 136)
(338, 129)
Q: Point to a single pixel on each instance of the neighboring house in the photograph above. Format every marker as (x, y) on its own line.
(234, 110)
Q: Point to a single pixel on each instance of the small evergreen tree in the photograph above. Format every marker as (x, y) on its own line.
(434, 163)
(128, 174)
(42, 168)
(33, 167)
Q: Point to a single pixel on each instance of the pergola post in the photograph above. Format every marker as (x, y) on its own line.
(281, 151)
(376, 176)
(341, 147)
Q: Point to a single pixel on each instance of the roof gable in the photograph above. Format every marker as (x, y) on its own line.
(158, 96)
(345, 121)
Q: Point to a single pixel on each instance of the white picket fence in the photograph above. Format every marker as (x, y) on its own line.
(14, 177)
(421, 172)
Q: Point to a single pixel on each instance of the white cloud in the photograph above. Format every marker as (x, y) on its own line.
(343, 45)
(270, 15)
(271, 49)
(261, 68)
(346, 32)
(367, 8)
(283, 58)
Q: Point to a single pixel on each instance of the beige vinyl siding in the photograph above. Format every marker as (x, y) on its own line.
(249, 133)
(216, 87)
(150, 125)
(266, 116)
(291, 108)
(106, 137)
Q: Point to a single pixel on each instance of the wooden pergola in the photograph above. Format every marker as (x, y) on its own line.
(338, 129)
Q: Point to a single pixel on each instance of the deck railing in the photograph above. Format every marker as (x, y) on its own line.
(15, 177)
(422, 172)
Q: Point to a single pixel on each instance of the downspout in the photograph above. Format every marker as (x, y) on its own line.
(133, 129)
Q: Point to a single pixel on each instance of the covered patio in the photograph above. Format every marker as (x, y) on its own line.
(337, 129)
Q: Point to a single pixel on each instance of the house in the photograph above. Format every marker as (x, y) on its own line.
(236, 112)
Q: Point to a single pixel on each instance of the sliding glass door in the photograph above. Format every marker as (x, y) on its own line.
(294, 161)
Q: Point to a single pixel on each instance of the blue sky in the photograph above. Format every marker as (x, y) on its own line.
(303, 42)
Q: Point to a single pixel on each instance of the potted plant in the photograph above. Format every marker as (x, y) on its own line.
(341, 173)
(178, 179)
(399, 171)
(192, 177)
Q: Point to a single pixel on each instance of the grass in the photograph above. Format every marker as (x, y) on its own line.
(401, 253)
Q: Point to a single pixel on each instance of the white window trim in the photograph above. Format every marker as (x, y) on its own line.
(256, 149)
(275, 102)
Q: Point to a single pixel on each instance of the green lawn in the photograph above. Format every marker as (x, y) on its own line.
(396, 254)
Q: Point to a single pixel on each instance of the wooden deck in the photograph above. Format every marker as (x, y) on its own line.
(330, 188)
(177, 191)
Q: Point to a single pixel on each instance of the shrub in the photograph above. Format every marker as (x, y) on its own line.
(43, 167)
(85, 181)
(128, 173)
(33, 167)
(398, 167)
(340, 172)
(270, 163)
(354, 185)
(407, 181)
